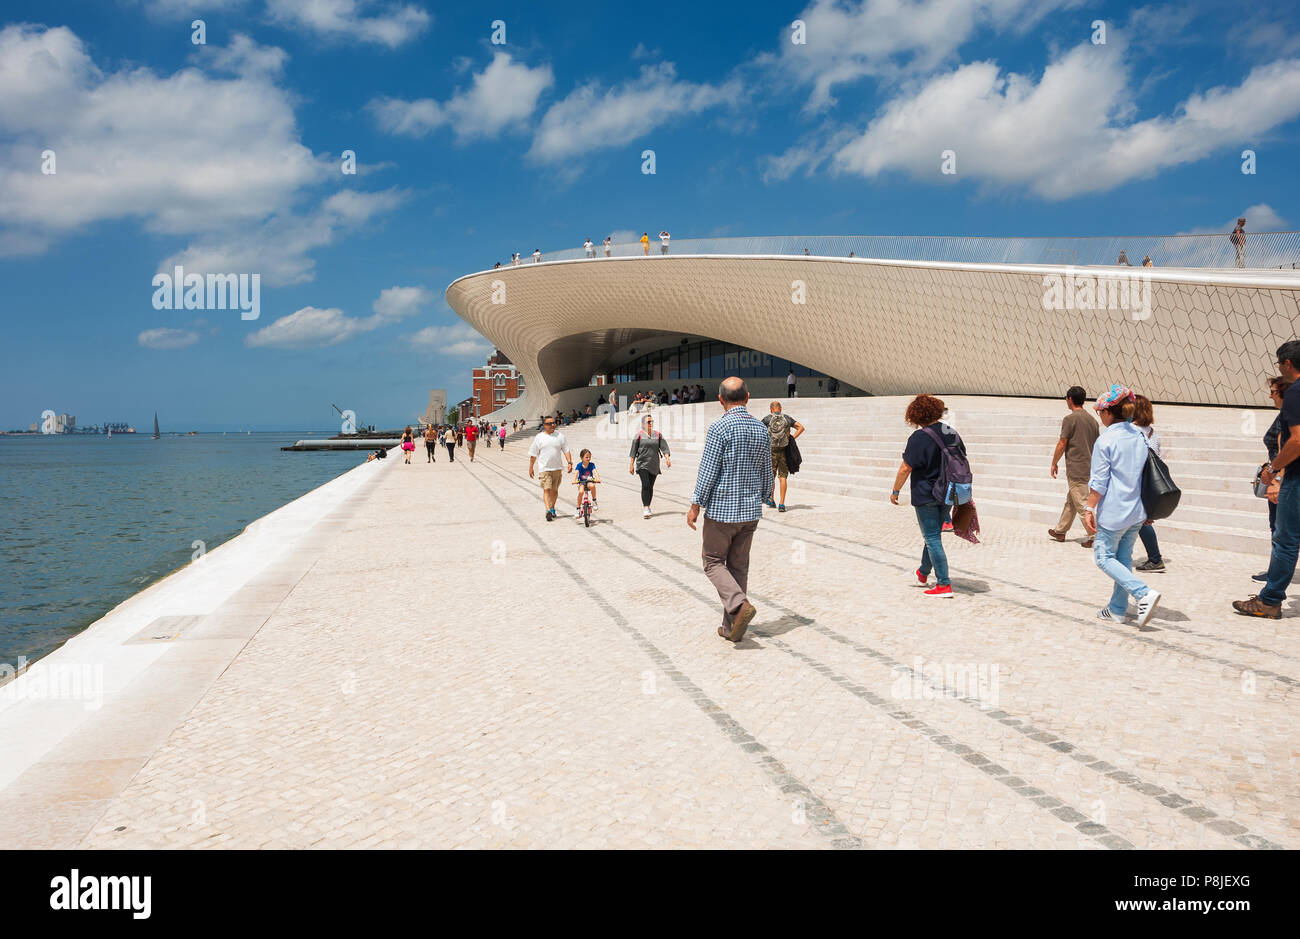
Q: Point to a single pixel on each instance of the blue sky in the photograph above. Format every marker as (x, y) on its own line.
(225, 157)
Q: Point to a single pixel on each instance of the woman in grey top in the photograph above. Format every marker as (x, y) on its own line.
(644, 460)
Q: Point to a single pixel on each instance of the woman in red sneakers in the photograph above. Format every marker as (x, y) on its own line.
(923, 462)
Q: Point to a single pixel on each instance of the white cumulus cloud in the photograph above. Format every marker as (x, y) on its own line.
(166, 338)
(385, 24)
(457, 339)
(592, 117)
(1070, 132)
(312, 327)
(505, 93)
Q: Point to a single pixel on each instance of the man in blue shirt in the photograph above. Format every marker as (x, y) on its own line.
(1286, 530)
(734, 477)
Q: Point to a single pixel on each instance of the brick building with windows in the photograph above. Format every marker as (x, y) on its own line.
(496, 384)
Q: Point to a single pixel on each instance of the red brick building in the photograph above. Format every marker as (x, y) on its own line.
(496, 384)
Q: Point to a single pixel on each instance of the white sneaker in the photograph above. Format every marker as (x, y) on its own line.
(1147, 606)
(645, 512)
(577, 513)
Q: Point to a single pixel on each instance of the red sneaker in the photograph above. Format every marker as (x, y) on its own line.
(947, 526)
(921, 578)
(939, 590)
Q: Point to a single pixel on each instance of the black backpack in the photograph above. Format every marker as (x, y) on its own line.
(1160, 494)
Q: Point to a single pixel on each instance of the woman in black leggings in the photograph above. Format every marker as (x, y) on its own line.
(647, 445)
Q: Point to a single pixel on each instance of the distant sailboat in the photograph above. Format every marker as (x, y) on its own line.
(156, 435)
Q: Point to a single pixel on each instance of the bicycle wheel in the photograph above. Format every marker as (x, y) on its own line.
(586, 514)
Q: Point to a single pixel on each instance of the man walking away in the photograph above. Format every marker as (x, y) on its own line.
(781, 427)
(790, 383)
(1079, 432)
(735, 472)
(546, 458)
(1286, 528)
(1238, 239)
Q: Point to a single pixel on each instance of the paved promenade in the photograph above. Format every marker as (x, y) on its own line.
(440, 667)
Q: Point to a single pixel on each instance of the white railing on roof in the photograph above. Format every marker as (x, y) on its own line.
(1280, 249)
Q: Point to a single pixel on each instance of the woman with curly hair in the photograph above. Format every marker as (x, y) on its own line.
(1115, 513)
(923, 462)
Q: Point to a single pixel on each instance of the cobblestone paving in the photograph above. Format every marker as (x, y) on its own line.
(453, 671)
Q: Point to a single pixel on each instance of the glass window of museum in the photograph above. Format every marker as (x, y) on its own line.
(709, 359)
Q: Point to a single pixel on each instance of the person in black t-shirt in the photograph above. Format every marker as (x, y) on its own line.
(923, 462)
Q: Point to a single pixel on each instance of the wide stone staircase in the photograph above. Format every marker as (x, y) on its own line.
(852, 448)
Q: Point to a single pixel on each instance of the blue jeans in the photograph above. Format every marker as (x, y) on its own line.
(931, 519)
(1286, 541)
(1148, 535)
(1113, 552)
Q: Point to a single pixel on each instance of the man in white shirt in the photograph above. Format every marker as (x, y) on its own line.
(546, 458)
(589, 248)
(537, 255)
(663, 242)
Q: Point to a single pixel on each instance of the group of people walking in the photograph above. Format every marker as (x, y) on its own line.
(452, 436)
(741, 467)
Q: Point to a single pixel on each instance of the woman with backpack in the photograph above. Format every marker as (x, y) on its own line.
(643, 460)
(923, 461)
(1115, 512)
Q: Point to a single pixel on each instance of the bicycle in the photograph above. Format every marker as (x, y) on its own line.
(588, 505)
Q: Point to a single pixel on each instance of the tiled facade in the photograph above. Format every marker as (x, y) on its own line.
(893, 327)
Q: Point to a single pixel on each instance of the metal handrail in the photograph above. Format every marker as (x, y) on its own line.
(1263, 250)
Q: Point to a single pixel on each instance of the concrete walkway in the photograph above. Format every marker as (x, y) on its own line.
(440, 667)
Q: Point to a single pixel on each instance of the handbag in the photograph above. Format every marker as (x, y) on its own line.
(1160, 494)
(1260, 487)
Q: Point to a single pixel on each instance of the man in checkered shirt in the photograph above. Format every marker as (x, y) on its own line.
(735, 473)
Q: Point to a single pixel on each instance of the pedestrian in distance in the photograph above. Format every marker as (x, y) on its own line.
(537, 255)
(923, 463)
(1286, 524)
(589, 248)
(471, 439)
(1238, 239)
(781, 428)
(1115, 513)
(547, 456)
(501, 434)
(791, 384)
(663, 241)
(408, 444)
(1144, 420)
(609, 244)
(643, 460)
(449, 439)
(735, 471)
(1079, 432)
(645, 243)
(431, 444)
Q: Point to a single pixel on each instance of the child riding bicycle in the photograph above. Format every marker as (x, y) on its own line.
(585, 478)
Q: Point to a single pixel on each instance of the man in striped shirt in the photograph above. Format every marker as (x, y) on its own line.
(734, 476)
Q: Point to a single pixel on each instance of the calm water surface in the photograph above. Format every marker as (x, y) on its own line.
(88, 521)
